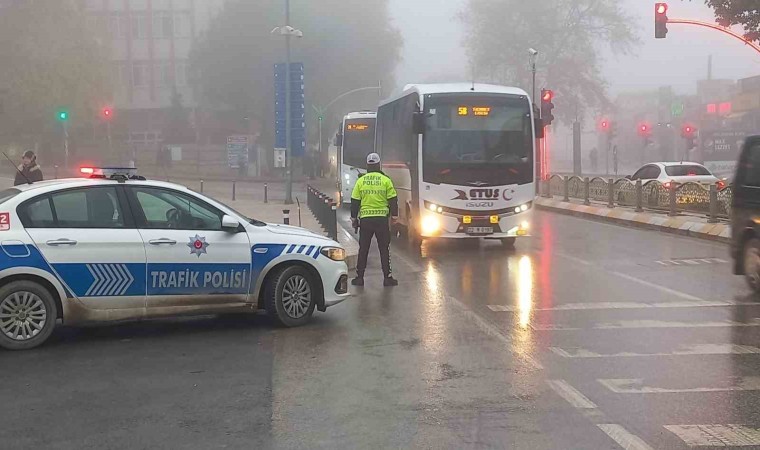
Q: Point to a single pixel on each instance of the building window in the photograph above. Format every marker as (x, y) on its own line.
(163, 25)
(163, 74)
(139, 30)
(140, 74)
(181, 75)
(182, 24)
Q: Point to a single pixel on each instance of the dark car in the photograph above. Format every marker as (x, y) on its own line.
(745, 214)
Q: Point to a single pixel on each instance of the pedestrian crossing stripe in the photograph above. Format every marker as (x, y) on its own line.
(637, 386)
(729, 435)
(628, 305)
(691, 262)
(698, 349)
(634, 324)
(623, 437)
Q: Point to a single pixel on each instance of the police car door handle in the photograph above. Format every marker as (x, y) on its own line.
(63, 241)
(162, 241)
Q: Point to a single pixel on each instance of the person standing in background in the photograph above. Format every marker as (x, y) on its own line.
(29, 171)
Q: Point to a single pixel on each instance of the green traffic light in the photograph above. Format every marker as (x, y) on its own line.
(63, 116)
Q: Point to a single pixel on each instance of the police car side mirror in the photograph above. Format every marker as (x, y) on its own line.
(418, 123)
(230, 223)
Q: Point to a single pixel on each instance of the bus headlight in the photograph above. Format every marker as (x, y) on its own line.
(522, 208)
(433, 207)
(430, 224)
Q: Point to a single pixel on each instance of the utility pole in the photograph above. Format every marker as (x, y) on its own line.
(288, 124)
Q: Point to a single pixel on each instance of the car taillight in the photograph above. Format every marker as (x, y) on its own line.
(667, 184)
(721, 184)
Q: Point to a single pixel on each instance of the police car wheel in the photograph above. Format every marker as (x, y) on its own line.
(291, 296)
(27, 315)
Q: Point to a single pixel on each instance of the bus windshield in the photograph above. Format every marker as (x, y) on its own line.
(358, 141)
(477, 138)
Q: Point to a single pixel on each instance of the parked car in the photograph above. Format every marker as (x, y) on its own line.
(745, 214)
(676, 172)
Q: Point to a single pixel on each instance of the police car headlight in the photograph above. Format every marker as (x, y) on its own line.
(334, 253)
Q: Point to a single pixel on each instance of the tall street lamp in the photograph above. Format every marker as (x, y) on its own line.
(289, 32)
(533, 56)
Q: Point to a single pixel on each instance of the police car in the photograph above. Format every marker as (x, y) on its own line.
(114, 246)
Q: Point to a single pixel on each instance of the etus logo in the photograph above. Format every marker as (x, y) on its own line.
(484, 194)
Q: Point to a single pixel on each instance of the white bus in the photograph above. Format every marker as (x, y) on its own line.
(462, 160)
(356, 140)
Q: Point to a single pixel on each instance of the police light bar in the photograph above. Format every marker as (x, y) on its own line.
(110, 172)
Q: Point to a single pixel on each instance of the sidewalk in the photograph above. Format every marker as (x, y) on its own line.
(683, 224)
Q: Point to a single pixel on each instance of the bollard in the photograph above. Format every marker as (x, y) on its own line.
(672, 195)
(713, 204)
(233, 191)
(266, 193)
(55, 169)
(610, 193)
(201, 186)
(639, 196)
(298, 202)
(332, 229)
(286, 216)
(586, 189)
(566, 190)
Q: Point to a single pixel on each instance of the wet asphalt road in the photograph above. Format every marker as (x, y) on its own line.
(588, 336)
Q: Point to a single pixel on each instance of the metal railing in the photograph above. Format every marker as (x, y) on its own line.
(672, 198)
(325, 209)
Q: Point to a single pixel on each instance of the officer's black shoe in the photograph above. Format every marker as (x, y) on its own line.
(358, 281)
(390, 281)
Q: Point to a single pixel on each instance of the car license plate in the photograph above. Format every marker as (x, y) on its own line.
(479, 230)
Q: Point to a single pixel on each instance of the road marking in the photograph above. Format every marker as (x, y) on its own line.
(628, 305)
(633, 324)
(691, 262)
(716, 435)
(491, 330)
(658, 287)
(698, 349)
(637, 386)
(623, 437)
(636, 280)
(572, 395)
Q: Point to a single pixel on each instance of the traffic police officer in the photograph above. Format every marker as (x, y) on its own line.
(372, 201)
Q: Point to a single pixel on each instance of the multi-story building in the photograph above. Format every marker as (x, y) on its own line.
(151, 41)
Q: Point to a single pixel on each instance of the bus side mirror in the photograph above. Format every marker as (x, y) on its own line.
(539, 125)
(418, 123)
(339, 140)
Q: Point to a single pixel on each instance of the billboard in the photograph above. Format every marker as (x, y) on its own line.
(721, 150)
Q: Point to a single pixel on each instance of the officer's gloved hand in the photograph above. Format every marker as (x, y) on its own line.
(354, 223)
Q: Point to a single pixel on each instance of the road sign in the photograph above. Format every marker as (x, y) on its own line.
(297, 108)
(279, 158)
(237, 151)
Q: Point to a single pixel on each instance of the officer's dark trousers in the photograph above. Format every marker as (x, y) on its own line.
(378, 227)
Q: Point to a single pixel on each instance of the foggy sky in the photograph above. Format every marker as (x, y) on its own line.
(433, 47)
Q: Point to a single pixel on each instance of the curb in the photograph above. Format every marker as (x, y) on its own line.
(715, 232)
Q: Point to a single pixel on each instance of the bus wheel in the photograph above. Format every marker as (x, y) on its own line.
(508, 242)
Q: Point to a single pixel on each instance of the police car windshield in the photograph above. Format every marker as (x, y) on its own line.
(255, 222)
(8, 194)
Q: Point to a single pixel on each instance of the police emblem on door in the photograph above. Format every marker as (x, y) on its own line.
(198, 245)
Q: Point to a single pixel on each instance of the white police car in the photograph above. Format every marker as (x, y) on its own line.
(117, 247)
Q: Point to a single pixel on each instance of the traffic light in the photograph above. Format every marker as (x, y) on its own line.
(689, 132)
(107, 113)
(547, 106)
(604, 126)
(645, 131)
(660, 20)
(63, 115)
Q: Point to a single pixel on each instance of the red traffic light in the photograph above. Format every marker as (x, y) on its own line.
(547, 95)
(688, 131)
(661, 8)
(644, 129)
(107, 112)
(605, 125)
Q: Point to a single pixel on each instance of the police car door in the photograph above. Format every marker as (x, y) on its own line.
(89, 239)
(192, 260)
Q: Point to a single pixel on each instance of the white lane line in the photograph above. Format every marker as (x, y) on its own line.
(729, 435)
(576, 259)
(491, 330)
(634, 324)
(658, 287)
(698, 349)
(628, 305)
(637, 386)
(623, 437)
(572, 395)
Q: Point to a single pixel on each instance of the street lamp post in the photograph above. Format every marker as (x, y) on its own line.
(533, 56)
(288, 32)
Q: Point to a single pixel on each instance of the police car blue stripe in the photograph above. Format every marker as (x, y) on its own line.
(291, 248)
(316, 252)
(301, 249)
(310, 249)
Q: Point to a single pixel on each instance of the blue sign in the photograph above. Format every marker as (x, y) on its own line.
(297, 108)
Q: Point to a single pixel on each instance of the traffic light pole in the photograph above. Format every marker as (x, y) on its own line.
(288, 124)
(108, 131)
(66, 145)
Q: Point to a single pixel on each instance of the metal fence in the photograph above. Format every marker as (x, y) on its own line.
(673, 198)
(325, 209)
